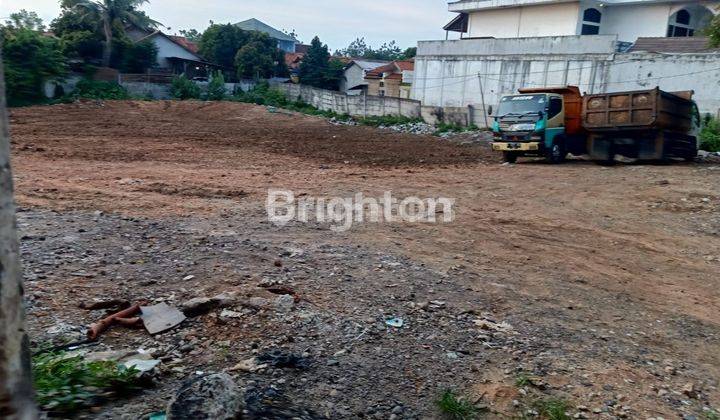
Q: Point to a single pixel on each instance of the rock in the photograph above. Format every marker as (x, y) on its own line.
(214, 396)
(202, 305)
(228, 314)
(689, 390)
(284, 303)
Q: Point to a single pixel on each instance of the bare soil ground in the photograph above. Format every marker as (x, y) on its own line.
(607, 279)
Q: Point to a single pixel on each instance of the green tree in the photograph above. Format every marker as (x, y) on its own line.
(138, 57)
(220, 44)
(256, 59)
(191, 34)
(30, 60)
(388, 51)
(409, 53)
(25, 20)
(713, 31)
(84, 45)
(111, 15)
(315, 65)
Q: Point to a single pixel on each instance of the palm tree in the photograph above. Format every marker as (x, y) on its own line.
(113, 13)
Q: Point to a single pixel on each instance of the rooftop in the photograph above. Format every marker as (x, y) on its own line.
(255, 25)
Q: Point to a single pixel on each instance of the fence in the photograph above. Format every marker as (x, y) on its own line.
(160, 78)
(355, 105)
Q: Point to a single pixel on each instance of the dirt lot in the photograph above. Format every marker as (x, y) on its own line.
(601, 285)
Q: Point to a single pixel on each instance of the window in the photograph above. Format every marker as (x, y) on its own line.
(592, 15)
(382, 92)
(590, 30)
(555, 107)
(679, 25)
(683, 17)
(591, 22)
(382, 84)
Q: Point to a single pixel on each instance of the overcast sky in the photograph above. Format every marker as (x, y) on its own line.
(337, 22)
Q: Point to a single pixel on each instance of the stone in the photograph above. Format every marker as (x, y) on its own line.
(284, 303)
(202, 305)
(214, 396)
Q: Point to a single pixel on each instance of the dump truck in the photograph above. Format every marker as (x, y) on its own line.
(553, 121)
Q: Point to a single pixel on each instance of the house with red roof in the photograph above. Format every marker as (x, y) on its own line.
(394, 79)
(176, 54)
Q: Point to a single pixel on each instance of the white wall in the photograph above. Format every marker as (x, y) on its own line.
(447, 73)
(353, 76)
(542, 20)
(634, 21)
(167, 48)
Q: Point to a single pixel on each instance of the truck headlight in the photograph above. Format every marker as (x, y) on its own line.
(522, 127)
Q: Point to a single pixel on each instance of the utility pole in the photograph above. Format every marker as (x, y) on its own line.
(16, 393)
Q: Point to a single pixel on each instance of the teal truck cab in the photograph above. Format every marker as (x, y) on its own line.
(538, 122)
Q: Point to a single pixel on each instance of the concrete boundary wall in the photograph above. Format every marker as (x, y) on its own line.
(452, 77)
(355, 105)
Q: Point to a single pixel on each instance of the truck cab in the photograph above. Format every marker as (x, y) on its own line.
(537, 122)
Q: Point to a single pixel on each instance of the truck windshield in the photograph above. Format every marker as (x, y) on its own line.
(521, 105)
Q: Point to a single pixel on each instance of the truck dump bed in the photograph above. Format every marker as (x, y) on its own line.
(638, 110)
(573, 105)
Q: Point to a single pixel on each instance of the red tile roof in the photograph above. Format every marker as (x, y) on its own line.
(185, 43)
(293, 60)
(395, 68)
(406, 65)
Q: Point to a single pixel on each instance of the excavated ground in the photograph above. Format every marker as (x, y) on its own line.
(601, 285)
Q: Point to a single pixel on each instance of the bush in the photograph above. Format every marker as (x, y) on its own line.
(30, 60)
(710, 135)
(263, 94)
(66, 384)
(216, 87)
(93, 89)
(183, 89)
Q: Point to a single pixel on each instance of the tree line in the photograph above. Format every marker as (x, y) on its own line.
(94, 33)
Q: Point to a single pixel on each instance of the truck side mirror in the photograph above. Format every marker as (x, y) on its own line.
(490, 110)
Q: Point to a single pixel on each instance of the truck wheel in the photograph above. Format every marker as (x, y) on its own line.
(510, 157)
(609, 159)
(556, 153)
(692, 151)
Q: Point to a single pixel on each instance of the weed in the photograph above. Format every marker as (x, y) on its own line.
(66, 384)
(552, 409)
(712, 415)
(456, 408)
(522, 381)
(453, 128)
(387, 120)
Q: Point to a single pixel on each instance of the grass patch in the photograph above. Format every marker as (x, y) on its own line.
(712, 415)
(456, 408)
(442, 128)
(387, 120)
(66, 384)
(552, 409)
